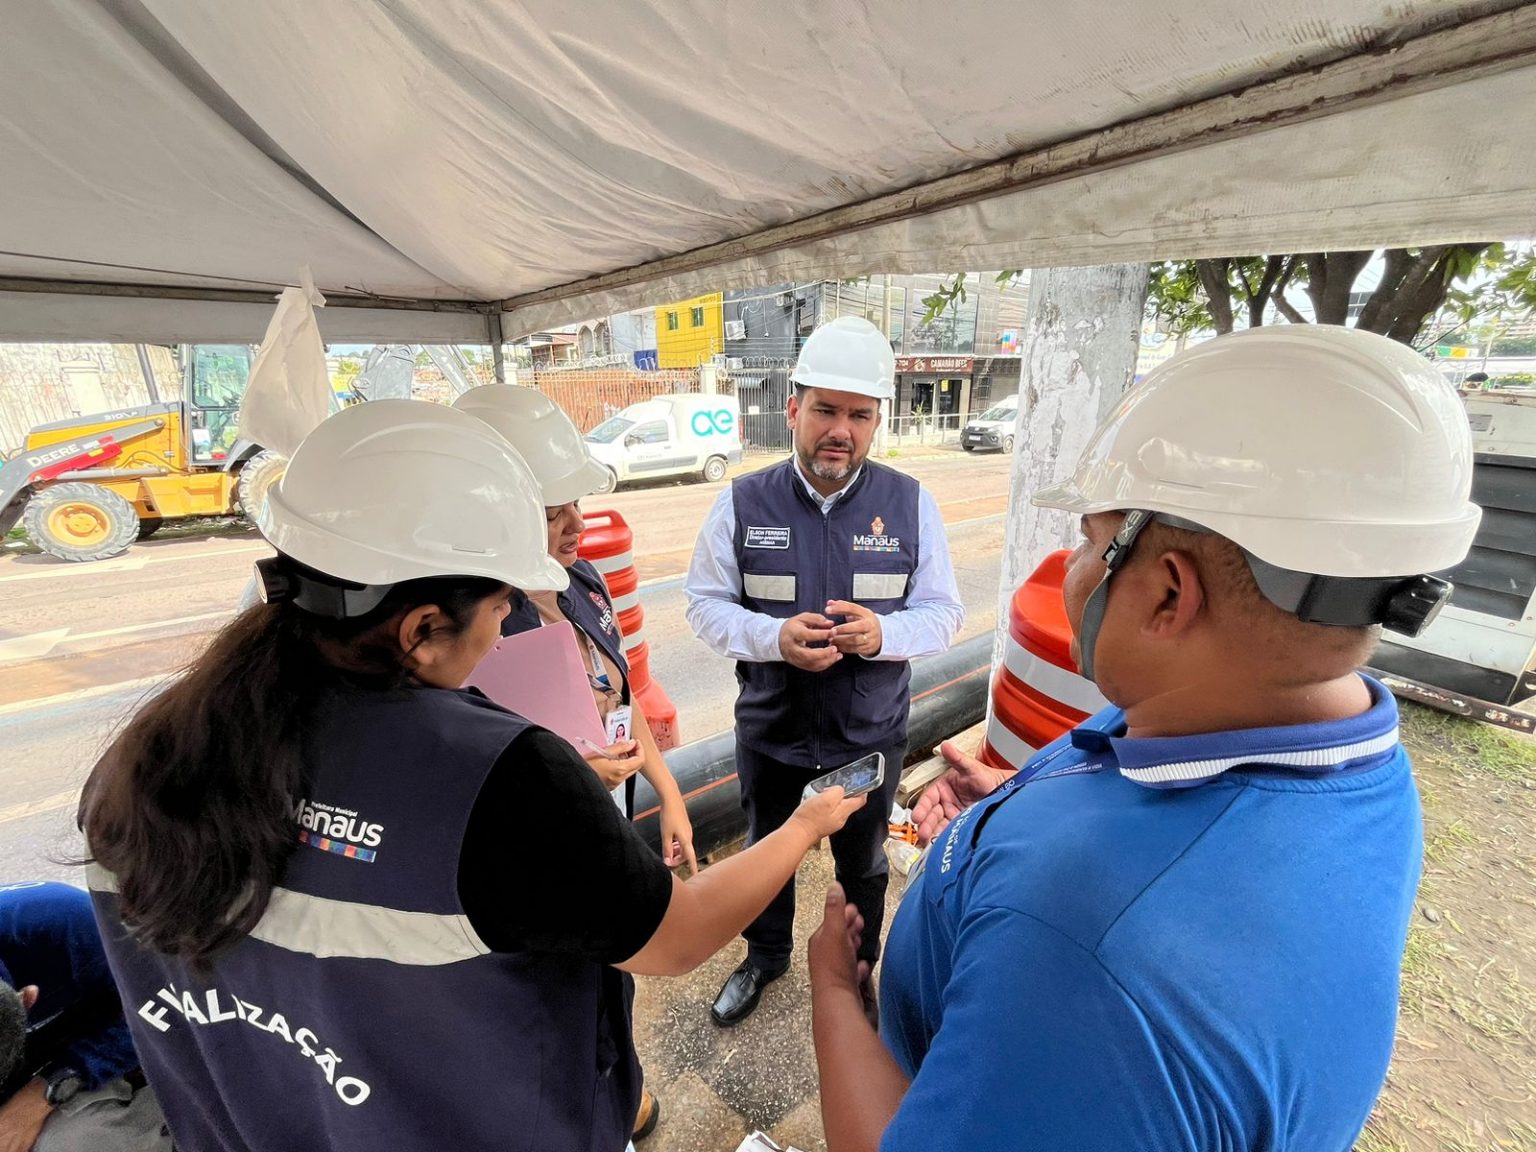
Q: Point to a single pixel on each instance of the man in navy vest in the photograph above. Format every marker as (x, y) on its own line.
(822, 577)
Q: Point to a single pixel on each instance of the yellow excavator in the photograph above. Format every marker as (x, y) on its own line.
(88, 487)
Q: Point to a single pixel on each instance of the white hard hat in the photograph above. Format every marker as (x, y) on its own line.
(1315, 448)
(543, 435)
(847, 355)
(396, 490)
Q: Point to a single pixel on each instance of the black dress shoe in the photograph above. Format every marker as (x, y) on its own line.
(740, 993)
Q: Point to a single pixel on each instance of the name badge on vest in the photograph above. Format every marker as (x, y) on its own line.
(767, 538)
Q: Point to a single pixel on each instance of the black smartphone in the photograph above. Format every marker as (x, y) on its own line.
(863, 775)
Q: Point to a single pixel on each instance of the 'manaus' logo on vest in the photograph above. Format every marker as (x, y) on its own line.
(877, 540)
(336, 830)
(606, 620)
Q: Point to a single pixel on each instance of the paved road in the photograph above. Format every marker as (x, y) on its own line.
(81, 644)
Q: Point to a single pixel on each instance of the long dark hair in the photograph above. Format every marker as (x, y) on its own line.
(190, 808)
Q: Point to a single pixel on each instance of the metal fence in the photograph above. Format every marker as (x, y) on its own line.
(762, 388)
(905, 431)
(591, 395)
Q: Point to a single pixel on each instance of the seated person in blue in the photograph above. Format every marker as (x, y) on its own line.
(69, 1075)
(1181, 926)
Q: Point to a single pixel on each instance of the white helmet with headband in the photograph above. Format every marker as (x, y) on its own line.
(1339, 461)
(396, 490)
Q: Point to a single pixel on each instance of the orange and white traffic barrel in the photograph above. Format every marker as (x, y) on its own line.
(608, 543)
(1038, 693)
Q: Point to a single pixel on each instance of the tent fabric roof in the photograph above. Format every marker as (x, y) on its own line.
(451, 160)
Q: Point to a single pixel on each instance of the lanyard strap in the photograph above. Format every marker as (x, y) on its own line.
(599, 674)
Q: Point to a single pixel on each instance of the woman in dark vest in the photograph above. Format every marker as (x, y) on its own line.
(549, 442)
(551, 445)
(333, 919)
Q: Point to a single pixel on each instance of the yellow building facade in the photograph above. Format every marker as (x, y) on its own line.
(690, 332)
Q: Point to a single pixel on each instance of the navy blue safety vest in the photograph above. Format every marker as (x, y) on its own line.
(587, 605)
(794, 559)
(363, 1012)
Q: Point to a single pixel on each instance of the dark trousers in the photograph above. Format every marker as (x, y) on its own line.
(770, 793)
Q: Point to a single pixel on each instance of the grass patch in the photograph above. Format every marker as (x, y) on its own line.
(1372, 1140)
(1424, 982)
(1522, 1136)
(1443, 845)
(1471, 746)
(1465, 1060)
(1492, 1002)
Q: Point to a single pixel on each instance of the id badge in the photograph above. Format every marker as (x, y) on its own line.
(619, 724)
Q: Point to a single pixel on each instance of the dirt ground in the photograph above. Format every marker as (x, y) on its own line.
(1463, 1077)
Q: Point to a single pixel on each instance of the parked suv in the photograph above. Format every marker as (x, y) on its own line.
(993, 429)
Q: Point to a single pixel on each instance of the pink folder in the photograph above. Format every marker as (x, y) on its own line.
(539, 675)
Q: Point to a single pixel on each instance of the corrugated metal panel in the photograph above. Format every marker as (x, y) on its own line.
(1499, 576)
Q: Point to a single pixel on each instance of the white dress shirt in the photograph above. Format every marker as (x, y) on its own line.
(928, 624)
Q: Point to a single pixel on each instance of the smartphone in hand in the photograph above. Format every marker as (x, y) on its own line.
(863, 775)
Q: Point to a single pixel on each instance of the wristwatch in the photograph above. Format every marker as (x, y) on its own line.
(62, 1086)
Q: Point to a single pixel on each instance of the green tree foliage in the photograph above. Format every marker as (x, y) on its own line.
(1513, 346)
(1423, 296)
(950, 296)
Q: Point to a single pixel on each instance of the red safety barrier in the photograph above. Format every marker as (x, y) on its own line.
(1038, 693)
(609, 544)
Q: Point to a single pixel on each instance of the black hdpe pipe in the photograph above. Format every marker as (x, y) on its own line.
(949, 694)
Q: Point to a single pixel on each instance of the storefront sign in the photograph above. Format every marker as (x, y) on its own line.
(960, 365)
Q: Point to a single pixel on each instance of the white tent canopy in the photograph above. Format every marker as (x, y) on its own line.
(447, 166)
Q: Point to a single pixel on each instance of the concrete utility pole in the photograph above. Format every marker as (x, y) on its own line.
(885, 405)
(885, 310)
(1079, 357)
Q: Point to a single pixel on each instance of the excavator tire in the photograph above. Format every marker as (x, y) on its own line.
(258, 474)
(80, 521)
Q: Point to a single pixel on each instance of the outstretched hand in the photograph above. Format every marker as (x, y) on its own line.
(967, 781)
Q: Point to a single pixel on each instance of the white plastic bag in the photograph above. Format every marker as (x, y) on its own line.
(289, 391)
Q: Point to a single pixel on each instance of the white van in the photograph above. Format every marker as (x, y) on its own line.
(993, 428)
(669, 436)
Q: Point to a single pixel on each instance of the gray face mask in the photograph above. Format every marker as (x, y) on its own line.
(1115, 556)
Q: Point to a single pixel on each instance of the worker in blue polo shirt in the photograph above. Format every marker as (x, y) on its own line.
(1181, 926)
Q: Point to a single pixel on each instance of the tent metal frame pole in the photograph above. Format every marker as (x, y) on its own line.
(493, 334)
(151, 385)
(237, 295)
(1478, 48)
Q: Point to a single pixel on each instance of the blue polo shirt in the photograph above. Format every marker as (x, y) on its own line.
(1175, 943)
